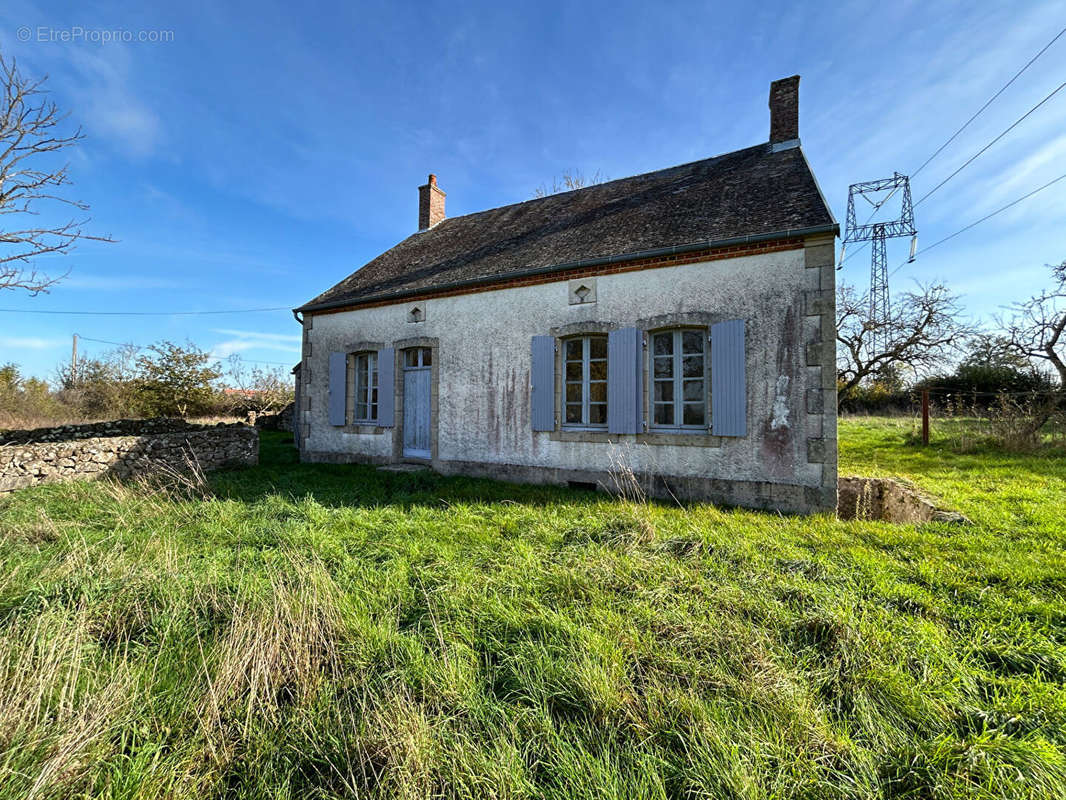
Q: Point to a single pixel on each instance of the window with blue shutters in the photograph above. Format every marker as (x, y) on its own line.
(678, 366)
(365, 366)
(585, 382)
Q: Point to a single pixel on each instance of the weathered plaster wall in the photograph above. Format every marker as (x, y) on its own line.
(120, 449)
(787, 460)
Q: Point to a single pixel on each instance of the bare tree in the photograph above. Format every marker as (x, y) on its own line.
(256, 391)
(30, 129)
(1036, 330)
(568, 182)
(922, 328)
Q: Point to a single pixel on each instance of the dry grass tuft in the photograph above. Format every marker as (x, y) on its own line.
(57, 707)
(280, 649)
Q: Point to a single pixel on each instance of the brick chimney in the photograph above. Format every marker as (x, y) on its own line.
(784, 110)
(430, 204)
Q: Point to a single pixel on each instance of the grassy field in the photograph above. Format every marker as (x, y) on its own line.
(324, 631)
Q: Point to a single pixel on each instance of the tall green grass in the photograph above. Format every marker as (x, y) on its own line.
(328, 631)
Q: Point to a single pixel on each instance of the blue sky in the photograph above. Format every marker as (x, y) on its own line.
(269, 149)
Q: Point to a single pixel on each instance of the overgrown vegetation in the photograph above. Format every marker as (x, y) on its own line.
(319, 631)
(165, 379)
(1013, 375)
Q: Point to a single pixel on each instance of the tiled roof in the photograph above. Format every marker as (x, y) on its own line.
(752, 192)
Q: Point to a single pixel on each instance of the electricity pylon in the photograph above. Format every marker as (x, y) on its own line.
(877, 234)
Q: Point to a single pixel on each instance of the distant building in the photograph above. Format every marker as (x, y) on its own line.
(681, 321)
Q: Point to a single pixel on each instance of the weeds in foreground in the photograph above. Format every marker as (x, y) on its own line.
(324, 631)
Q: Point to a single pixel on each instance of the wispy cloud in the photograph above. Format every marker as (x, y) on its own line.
(231, 347)
(270, 337)
(32, 342)
(113, 108)
(119, 282)
(242, 341)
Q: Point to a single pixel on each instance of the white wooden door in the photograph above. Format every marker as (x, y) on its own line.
(417, 406)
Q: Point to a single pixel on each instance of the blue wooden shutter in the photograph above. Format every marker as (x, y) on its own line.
(387, 387)
(729, 383)
(625, 381)
(338, 385)
(542, 383)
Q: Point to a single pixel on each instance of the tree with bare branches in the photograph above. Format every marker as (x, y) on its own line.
(568, 182)
(1036, 329)
(31, 128)
(256, 390)
(922, 328)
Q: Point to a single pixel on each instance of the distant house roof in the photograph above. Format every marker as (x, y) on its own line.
(757, 193)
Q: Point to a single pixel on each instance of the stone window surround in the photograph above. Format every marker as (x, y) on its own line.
(647, 325)
(433, 343)
(352, 426)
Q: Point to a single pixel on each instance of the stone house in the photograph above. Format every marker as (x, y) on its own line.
(680, 322)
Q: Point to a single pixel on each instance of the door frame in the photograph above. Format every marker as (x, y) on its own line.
(401, 345)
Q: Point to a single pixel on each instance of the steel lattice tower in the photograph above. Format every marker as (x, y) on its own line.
(879, 307)
(877, 234)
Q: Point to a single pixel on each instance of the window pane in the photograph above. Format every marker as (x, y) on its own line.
(427, 357)
(664, 368)
(573, 349)
(693, 391)
(694, 414)
(573, 370)
(598, 414)
(663, 344)
(374, 396)
(598, 371)
(573, 413)
(360, 386)
(598, 392)
(573, 393)
(692, 342)
(664, 391)
(373, 411)
(410, 358)
(598, 347)
(692, 367)
(664, 414)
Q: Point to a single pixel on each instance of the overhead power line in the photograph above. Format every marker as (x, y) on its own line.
(983, 219)
(143, 313)
(965, 125)
(992, 99)
(974, 157)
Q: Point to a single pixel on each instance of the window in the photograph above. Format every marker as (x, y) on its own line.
(679, 379)
(416, 357)
(366, 387)
(585, 381)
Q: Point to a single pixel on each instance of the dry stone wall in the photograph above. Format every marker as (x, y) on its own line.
(121, 449)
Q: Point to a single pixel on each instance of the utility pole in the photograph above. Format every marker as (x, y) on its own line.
(74, 362)
(925, 416)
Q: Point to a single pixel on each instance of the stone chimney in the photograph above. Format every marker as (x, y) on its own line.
(784, 110)
(430, 204)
